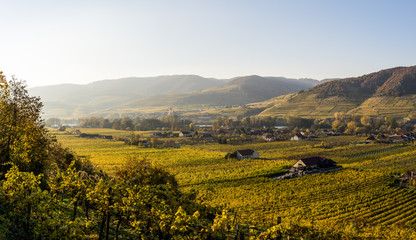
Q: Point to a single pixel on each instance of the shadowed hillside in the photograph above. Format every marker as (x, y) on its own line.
(67, 100)
(387, 92)
(129, 94)
(237, 91)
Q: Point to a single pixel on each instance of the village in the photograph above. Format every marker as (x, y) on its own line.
(238, 136)
(207, 134)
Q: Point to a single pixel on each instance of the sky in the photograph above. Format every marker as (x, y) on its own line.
(46, 42)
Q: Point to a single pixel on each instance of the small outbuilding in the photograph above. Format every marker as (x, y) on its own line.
(371, 139)
(269, 137)
(310, 163)
(299, 137)
(246, 153)
(186, 134)
(107, 137)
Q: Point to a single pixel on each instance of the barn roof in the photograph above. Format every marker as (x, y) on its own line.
(246, 152)
(316, 160)
(312, 160)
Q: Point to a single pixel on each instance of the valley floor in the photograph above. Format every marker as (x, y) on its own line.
(362, 193)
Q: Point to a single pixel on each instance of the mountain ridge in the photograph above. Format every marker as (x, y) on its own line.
(388, 91)
(237, 91)
(127, 94)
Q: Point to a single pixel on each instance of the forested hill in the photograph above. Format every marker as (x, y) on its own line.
(386, 92)
(390, 82)
(237, 91)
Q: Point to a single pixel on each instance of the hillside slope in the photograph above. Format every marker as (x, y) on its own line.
(237, 91)
(72, 100)
(387, 92)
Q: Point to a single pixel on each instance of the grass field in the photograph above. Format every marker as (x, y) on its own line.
(363, 189)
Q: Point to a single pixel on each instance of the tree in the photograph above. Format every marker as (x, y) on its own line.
(339, 115)
(351, 127)
(23, 136)
(337, 125)
(105, 123)
(23, 200)
(126, 124)
(391, 122)
(365, 120)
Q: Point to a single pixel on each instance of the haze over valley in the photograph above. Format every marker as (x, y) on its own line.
(386, 92)
(129, 95)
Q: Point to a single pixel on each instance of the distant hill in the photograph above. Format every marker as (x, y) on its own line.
(387, 92)
(238, 91)
(129, 94)
(72, 100)
(328, 80)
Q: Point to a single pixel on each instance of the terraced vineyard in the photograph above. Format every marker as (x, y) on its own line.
(363, 191)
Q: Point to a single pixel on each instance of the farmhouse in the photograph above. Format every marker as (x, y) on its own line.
(185, 134)
(158, 134)
(172, 135)
(371, 139)
(269, 137)
(398, 138)
(311, 163)
(298, 137)
(246, 153)
(76, 132)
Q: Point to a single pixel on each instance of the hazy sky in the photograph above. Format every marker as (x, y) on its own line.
(51, 42)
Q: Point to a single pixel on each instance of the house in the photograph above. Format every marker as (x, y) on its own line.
(298, 137)
(311, 163)
(158, 134)
(382, 137)
(76, 132)
(371, 139)
(333, 133)
(107, 137)
(269, 137)
(186, 134)
(172, 135)
(398, 138)
(246, 153)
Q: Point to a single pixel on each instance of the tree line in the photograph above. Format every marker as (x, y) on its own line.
(169, 122)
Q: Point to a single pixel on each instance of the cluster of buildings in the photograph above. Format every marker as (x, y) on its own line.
(304, 166)
(382, 138)
(185, 134)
